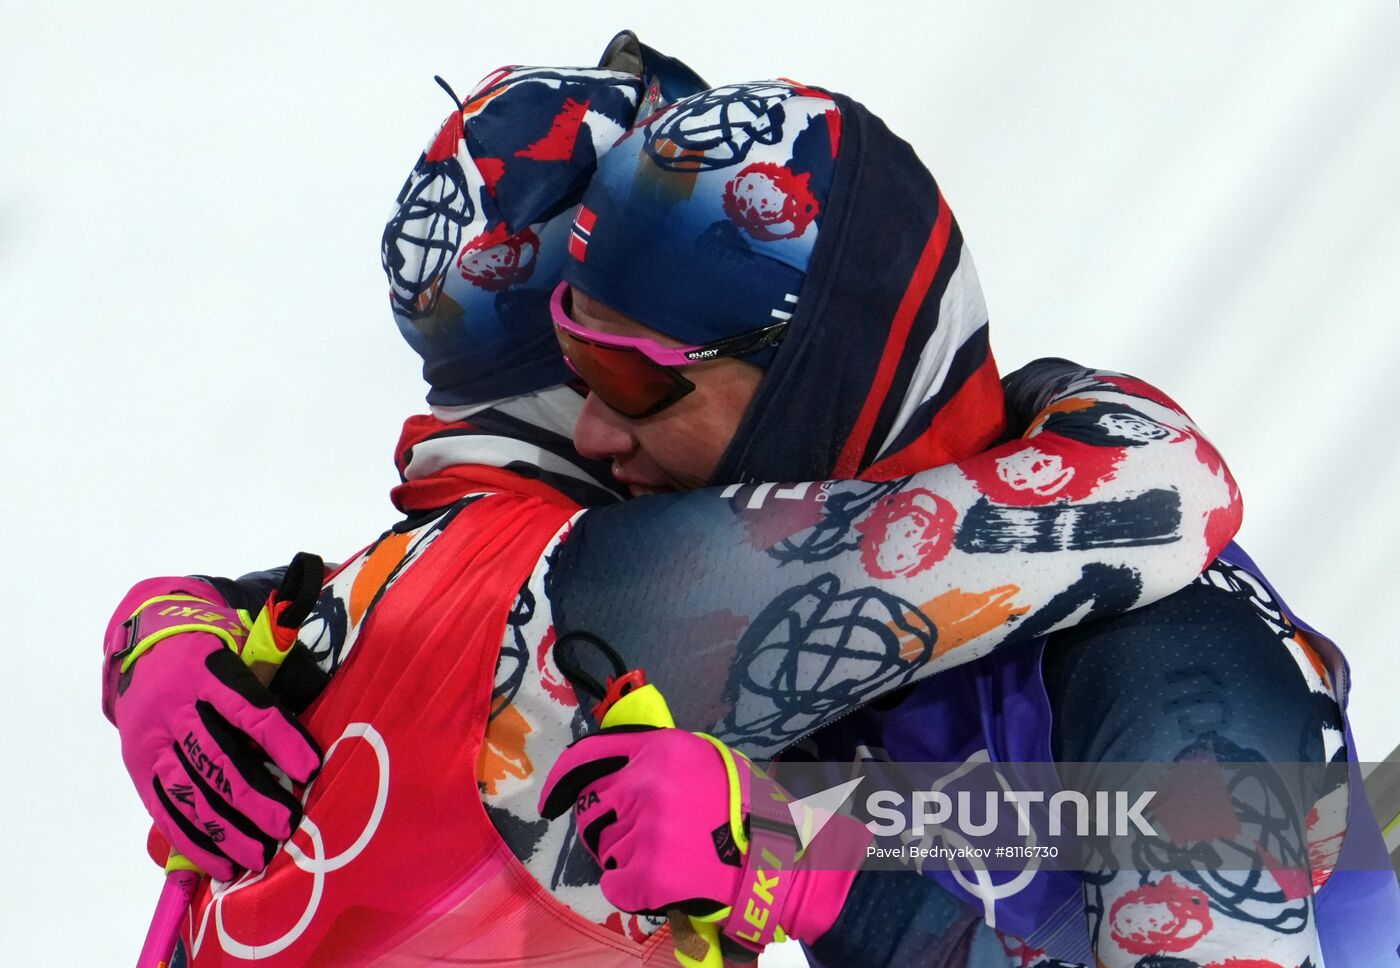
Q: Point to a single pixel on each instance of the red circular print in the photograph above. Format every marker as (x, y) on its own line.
(906, 533)
(770, 202)
(1041, 471)
(496, 260)
(1160, 917)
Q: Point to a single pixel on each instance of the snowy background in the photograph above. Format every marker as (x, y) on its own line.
(200, 371)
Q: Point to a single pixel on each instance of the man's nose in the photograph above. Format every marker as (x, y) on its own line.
(602, 432)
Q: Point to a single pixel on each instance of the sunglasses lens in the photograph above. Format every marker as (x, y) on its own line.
(623, 378)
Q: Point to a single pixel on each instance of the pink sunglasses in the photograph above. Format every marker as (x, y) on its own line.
(637, 376)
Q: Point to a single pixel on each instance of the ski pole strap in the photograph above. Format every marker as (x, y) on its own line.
(159, 618)
(769, 865)
(278, 660)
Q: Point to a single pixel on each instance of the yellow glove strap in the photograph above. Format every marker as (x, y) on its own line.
(200, 623)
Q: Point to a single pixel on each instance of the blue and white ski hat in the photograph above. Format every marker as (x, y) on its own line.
(701, 221)
(476, 242)
(757, 202)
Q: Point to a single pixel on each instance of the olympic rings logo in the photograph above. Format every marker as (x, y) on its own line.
(318, 865)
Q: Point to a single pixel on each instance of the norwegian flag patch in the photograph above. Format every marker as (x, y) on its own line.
(581, 232)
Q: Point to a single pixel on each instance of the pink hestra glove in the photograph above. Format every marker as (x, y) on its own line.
(678, 821)
(198, 729)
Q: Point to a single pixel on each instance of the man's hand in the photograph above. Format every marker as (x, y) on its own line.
(198, 730)
(678, 821)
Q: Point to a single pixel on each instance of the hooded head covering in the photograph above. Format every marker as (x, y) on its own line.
(752, 203)
(703, 225)
(476, 241)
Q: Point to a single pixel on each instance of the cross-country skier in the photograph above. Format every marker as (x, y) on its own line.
(1221, 671)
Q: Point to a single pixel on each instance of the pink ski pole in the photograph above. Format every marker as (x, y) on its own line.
(181, 881)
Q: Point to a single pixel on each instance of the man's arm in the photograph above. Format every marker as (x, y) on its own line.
(1112, 499)
(766, 610)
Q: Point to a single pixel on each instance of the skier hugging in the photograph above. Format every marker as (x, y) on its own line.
(623, 281)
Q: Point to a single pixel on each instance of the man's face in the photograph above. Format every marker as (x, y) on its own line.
(678, 448)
